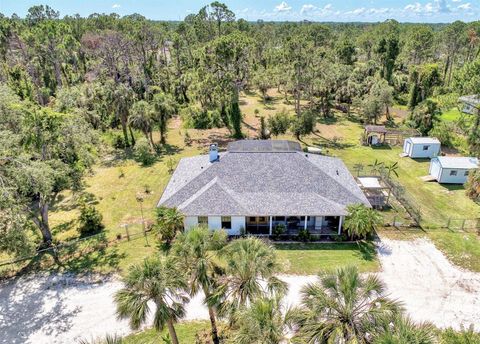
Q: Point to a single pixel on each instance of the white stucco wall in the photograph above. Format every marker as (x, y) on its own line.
(190, 222)
(238, 222)
(214, 222)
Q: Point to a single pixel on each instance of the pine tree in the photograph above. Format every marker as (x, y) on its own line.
(236, 120)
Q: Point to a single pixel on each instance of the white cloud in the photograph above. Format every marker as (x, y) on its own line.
(357, 11)
(456, 0)
(283, 7)
(437, 6)
(307, 8)
(467, 6)
(116, 6)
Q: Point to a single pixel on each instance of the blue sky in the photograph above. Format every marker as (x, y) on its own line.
(293, 10)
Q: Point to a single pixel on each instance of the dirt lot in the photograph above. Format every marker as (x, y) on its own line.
(431, 288)
(63, 308)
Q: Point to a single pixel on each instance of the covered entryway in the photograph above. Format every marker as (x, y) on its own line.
(258, 225)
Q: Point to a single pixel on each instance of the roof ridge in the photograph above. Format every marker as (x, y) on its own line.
(209, 165)
(198, 193)
(330, 177)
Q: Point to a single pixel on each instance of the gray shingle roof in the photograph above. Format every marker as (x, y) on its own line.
(262, 183)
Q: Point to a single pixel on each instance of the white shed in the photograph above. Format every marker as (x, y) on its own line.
(421, 147)
(452, 170)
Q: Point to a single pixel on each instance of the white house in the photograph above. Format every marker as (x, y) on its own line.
(421, 147)
(452, 170)
(258, 184)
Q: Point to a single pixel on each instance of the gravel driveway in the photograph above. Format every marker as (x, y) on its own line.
(63, 308)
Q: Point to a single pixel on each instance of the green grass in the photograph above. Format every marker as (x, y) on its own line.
(451, 115)
(463, 249)
(186, 332)
(312, 258)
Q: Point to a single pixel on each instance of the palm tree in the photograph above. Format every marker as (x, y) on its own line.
(156, 280)
(376, 167)
(164, 106)
(340, 307)
(196, 251)
(401, 329)
(263, 322)
(358, 168)
(122, 97)
(249, 275)
(361, 221)
(392, 168)
(142, 119)
(169, 223)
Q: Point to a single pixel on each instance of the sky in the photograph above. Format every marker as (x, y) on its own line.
(433, 11)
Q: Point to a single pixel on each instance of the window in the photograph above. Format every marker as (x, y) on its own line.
(252, 219)
(453, 173)
(279, 218)
(203, 220)
(466, 173)
(425, 147)
(226, 222)
(262, 219)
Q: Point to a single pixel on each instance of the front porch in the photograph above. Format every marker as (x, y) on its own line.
(316, 225)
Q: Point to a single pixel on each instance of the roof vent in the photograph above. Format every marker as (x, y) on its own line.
(214, 152)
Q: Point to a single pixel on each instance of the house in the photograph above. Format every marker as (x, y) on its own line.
(421, 147)
(471, 104)
(258, 184)
(452, 170)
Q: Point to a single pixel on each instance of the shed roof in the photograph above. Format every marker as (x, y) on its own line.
(262, 183)
(466, 163)
(424, 140)
(376, 129)
(473, 99)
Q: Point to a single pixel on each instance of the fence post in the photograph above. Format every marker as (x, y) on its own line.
(127, 233)
(448, 222)
(395, 221)
(463, 224)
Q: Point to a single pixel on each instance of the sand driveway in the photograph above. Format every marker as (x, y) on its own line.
(63, 308)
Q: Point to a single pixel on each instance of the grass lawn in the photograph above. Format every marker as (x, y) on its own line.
(185, 331)
(451, 115)
(310, 259)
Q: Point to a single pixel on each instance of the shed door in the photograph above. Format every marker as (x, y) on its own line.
(409, 145)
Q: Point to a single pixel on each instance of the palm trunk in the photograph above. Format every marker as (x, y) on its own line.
(172, 332)
(131, 134)
(213, 321)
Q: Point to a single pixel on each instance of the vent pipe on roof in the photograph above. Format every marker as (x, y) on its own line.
(214, 152)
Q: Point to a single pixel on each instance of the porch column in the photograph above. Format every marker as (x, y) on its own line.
(340, 220)
(271, 225)
(305, 226)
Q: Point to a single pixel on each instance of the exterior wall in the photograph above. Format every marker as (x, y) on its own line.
(190, 221)
(238, 223)
(446, 178)
(435, 169)
(214, 222)
(418, 152)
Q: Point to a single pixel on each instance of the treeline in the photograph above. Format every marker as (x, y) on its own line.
(64, 80)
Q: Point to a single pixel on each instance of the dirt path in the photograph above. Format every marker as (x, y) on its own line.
(431, 288)
(63, 308)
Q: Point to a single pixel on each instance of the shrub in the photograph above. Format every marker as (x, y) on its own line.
(194, 117)
(143, 154)
(279, 123)
(472, 186)
(187, 139)
(118, 142)
(278, 231)
(90, 220)
(304, 235)
(444, 132)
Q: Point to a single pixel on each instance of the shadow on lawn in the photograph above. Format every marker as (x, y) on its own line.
(365, 249)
